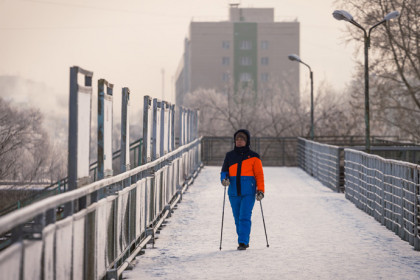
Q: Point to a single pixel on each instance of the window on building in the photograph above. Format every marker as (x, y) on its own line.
(246, 45)
(225, 60)
(226, 44)
(246, 61)
(264, 60)
(245, 77)
(226, 77)
(264, 77)
(264, 45)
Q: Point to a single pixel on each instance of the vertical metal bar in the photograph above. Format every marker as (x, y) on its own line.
(125, 130)
(401, 187)
(172, 128)
(198, 124)
(185, 127)
(337, 166)
(367, 122)
(312, 104)
(101, 105)
(79, 133)
(73, 125)
(155, 132)
(139, 158)
(167, 143)
(416, 208)
(382, 187)
(181, 124)
(146, 137)
(162, 128)
(189, 125)
(104, 129)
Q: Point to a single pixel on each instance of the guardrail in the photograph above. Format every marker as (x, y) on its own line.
(102, 226)
(94, 229)
(274, 151)
(321, 161)
(61, 185)
(386, 189)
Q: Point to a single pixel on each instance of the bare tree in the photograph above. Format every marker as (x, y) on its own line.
(273, 111)
(223, 113)
(25, 150)
(334, 113)
(394, 64)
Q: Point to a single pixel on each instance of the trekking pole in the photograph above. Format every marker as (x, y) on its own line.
(262, 213)
(223, 215)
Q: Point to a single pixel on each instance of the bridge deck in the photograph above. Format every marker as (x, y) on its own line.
(313, 233)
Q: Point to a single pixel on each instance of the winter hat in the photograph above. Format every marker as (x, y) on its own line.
(245, 135)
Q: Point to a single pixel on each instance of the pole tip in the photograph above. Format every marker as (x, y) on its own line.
(268, 245)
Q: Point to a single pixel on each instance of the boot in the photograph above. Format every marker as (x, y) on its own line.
(242, 246)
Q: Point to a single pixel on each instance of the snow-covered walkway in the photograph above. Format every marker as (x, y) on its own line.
(313, 233)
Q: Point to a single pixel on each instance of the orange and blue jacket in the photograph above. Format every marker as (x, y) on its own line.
(244, 169)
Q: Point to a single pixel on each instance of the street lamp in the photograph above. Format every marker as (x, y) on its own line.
(343, 15)
(294, 57)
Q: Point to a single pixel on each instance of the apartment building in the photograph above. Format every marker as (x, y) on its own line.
(250, 48)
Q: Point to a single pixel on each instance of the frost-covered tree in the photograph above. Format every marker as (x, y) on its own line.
(223, 113)
(273, 111)
(26, 153)
(394, 64)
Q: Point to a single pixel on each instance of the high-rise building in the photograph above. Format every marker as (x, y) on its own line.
(249, 47)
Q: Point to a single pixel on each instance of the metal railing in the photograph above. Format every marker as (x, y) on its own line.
(61, 185)
(274, 151)
(321, 161)
(100, 227)
(386, 189)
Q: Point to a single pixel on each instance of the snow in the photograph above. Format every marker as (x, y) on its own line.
(313, 233)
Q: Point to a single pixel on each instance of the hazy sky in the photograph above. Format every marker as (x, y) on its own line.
(129, 42)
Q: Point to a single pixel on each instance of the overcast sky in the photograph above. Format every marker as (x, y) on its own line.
(129, 42)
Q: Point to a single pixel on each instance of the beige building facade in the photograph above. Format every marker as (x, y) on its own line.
(250, 47)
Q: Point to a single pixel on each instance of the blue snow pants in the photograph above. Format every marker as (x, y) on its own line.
(242, 211)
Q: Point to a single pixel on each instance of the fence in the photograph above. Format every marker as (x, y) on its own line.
(96, 240)
(386, 189)
(61, 185)
(273, 151)
(94, 230)
(321, 161)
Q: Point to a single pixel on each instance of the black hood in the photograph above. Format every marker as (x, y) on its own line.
(248, 135)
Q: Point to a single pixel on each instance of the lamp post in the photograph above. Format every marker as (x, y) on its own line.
(343, 15)
(294, 57)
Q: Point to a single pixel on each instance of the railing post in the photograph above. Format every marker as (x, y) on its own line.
(163, 122)
(181, 126)
(172, 132)
(381, 178)
(157, 122)
(125, 130)
(147, 129)
(337, 166)
(79, 128)
(416, 208)
(399, 174)
(105, 117)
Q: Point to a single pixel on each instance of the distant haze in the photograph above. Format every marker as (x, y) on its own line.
(130, 42)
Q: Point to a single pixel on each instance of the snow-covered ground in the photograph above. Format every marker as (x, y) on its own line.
(313, 233)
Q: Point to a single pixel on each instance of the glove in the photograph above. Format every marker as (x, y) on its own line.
(225, 182)
(259, 195)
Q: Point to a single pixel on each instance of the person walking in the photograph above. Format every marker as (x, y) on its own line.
(242, 171)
